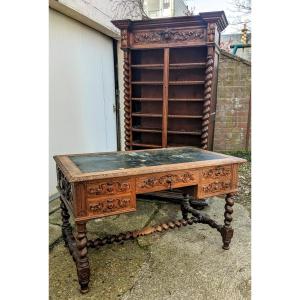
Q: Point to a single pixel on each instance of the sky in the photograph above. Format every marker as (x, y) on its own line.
(212, 5)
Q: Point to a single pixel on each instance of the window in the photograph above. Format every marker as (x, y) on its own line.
(166, 4)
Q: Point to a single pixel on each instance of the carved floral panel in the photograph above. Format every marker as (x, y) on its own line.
(110, 205)
(217, 172)
(64, 186)
(167, 180)
(169, 36)
(108, 188)
(217, 186)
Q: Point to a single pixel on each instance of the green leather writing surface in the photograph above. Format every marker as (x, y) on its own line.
(135, 159)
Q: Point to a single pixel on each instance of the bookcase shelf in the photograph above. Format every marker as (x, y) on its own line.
(138, 144)
(147, 82)
(146, 99)
(148, 66)
(186, 82)
(187, 65)
(184, 132)
(184, 116)
(146, 130)
(149, 115)
(185, 100)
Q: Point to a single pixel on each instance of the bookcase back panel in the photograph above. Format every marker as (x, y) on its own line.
(147, 75)
(196, 74)
(150, 123)
(142, 57)
(147, 107)
(186, 92)
(188, 55)
(182, 140)
(147, 91)
(146, 138)
(185, 108)
(184, 125)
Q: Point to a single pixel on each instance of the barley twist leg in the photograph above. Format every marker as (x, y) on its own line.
(227, 231)
(82, 261)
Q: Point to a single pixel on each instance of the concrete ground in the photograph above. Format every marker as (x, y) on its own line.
(185, 263)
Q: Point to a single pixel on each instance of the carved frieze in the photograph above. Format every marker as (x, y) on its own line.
(169, 35)
(166, 180)
(109, 188)
(217, 186)
(64, 185)
(215, 173)
(110, 205)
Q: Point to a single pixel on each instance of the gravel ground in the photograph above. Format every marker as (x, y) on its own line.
(244, 196)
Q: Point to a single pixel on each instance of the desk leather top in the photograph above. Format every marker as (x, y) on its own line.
(100, 162)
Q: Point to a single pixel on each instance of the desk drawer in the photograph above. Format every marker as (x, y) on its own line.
(216, 173)
(164, 181)
(216, 181)
(111, 205)
(109, 187)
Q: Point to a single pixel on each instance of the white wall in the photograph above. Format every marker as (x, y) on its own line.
(100, 11)
(81, 87)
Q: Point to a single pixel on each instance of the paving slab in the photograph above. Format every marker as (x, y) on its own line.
(54, 233)
(124, 222)
(54, 205)
(185, 263)
(189, 263)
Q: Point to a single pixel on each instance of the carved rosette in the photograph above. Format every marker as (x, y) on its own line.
(166, 180)
(127, 104)
(216, 187)
(109, 188)
(110, 205)
(64, 186)
(169, 36)
(207, 101)
(215, 173)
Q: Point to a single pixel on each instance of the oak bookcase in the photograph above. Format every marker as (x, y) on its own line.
(170, 80)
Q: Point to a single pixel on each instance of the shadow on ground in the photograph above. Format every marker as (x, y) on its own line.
(185, 263)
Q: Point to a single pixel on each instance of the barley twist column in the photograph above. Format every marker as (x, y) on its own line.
(82, 261)
(66, 226)
(127, 100)
(227, 231)
(207, 101)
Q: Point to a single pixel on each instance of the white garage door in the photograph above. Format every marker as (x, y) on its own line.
(81, 88)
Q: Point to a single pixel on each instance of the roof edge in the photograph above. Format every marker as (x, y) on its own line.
(235, 57)
(217, 17)
(75, 15)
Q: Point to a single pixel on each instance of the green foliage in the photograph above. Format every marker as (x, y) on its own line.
(246, 154)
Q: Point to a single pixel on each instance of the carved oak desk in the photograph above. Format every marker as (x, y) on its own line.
(97, 185)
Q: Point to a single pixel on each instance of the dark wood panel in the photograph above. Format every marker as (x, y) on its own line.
(188, 55)
(146, 57)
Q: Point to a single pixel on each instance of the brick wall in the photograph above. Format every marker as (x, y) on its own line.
(233, 104)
